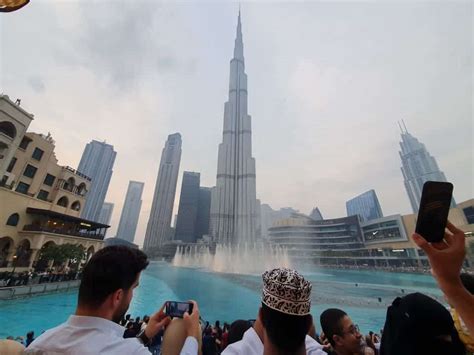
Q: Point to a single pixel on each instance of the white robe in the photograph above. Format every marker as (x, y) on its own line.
(252, 345)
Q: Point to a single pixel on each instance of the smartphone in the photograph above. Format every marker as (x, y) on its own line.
(434, 208)
(177, 309)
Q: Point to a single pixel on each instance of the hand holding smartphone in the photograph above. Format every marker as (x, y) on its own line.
(177, 309)
(434, 209)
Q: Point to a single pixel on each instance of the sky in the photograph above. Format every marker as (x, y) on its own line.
(328, 82)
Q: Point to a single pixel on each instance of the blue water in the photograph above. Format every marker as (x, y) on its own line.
(227, 297)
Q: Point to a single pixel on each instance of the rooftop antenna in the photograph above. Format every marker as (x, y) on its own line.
(399, 125)
(406, 131)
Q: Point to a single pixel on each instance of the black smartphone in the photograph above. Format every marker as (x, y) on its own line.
(177, 309)
(434, 208)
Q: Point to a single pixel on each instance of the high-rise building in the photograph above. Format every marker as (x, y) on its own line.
(204, 211)
(106, 214)
(158, 229)
(233, 203)
(418, 166)
(366, 206)
(316, 214)
(268, 217)
(130, 211)
(188, 208)
(97, 162)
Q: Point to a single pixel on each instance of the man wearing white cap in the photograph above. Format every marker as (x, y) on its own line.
(283, 320)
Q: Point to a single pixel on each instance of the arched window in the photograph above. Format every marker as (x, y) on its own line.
(76, 206)
(8, 129)
(63, 201)
(81, 189)
(13, 220)
(69, 184)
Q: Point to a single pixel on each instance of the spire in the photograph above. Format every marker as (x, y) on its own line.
(239, 46)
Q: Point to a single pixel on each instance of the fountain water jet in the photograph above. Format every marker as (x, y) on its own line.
(236, 259)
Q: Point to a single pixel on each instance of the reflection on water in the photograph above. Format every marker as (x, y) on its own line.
(228, 296)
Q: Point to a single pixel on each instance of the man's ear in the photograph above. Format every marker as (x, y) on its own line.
(336, 339)
(117, 297)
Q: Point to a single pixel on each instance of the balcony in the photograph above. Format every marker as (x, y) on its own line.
(63, 231)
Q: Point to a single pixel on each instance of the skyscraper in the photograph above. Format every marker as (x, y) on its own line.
(158, 229)
(233, 203)
(97, 162)
(418, 166)
(204, 211)
(366, 206)
(106, 214)
(130, 211)
(188, 208)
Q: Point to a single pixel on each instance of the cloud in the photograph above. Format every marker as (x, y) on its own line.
(37, 84)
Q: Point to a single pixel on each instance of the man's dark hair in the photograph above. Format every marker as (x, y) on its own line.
(468, 282)
(287, 332)
(111, 268)
(331, 323)
(237, 330)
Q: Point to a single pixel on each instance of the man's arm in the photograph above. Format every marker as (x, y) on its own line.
(446, 259)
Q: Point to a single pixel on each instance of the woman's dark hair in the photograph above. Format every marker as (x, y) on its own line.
(30, 335)
(111, 268)
(331, 323)
(287, 332)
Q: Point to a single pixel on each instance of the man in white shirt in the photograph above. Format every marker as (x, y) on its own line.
(283, 320)
(105, 293)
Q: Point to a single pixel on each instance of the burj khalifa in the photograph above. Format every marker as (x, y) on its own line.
(233, 203)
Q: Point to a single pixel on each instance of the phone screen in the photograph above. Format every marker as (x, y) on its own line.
(434, 209)
(177, 309)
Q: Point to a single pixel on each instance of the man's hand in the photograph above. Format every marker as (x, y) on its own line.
(191, 322)
(446, 257)
(157, 322)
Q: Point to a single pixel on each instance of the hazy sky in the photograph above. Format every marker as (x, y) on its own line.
(328, 82)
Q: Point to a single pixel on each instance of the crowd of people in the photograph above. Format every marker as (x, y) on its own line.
(415, 323)
(32, 277)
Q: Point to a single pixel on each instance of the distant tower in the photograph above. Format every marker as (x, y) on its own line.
(130, 211)
(418, 166)
(365, 205)
(158, 229)
(188, 208)
(97, 162)
(316, 214)
(106, 214)
(233, 203)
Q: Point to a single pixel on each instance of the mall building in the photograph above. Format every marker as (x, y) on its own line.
(40, 200)
(382, 242)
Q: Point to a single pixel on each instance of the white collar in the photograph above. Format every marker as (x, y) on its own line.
(96, 322)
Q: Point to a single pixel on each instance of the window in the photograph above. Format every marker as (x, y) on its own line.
(11, 165)
(43, 195)
(63, 201)
(30, 171)
(22, 188)
(469, 213)
(8, 129)
(37, 154)
(24, 142)
(49, 180)
(13, 220)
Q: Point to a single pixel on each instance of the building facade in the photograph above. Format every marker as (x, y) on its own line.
(130, 211)
(268, 217)
(97, 162)
(366, 206)
(347, 242)
(233, 204)
(186, 223)
(41, 204)
(204, 212)
(14, 121)
(418, 166)
(158, 229)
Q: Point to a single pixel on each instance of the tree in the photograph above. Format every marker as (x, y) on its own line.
(61, 253)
